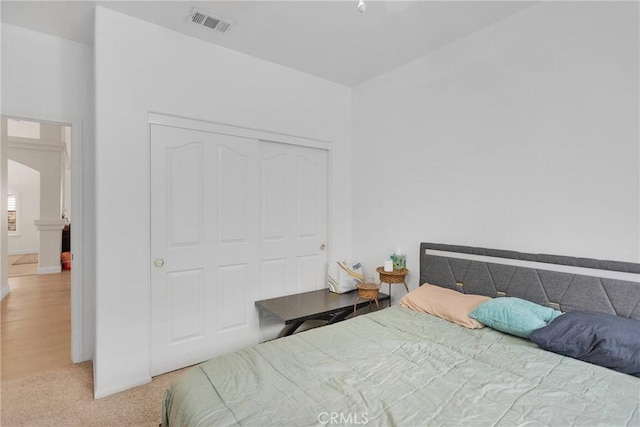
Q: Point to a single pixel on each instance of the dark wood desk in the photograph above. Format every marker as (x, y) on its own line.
(295, 309)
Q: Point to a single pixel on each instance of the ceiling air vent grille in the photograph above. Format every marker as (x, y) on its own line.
(210, 21)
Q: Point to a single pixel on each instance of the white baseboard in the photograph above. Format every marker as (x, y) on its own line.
(50, 270)
(4, 291)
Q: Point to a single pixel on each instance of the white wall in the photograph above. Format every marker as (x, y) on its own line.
(142, 68)
(47, 78)
(26, 182)
(49, 165)
(522, 136)
(66, 200)
(4, 177)
(66, 187)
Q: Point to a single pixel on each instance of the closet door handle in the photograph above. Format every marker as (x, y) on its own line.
(159, 263)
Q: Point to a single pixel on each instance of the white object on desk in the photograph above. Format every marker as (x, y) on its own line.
(388, 265)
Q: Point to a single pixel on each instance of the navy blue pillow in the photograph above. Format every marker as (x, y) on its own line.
(598, 338)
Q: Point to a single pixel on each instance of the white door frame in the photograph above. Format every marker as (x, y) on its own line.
(78, 351)
(226, 129)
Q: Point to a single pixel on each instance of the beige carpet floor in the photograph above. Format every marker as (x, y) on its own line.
(64, 397)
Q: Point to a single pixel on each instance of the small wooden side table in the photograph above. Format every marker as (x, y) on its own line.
(367, 291)
(393, 277)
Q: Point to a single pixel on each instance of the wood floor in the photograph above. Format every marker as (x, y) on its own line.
(36, 325)
(20, 269)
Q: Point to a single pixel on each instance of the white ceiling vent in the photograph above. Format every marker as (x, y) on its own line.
(201, 17)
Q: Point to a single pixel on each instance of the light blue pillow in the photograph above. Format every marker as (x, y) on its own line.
(514, 316)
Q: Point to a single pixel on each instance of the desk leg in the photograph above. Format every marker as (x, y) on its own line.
(289, 329)
(338, 317)
(405, 286)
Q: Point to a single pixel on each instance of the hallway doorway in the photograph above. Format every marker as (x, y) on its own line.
(36, 314)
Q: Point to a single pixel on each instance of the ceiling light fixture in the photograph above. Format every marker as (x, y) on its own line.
(361, 6)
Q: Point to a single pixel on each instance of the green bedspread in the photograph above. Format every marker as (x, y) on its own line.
(398, 367)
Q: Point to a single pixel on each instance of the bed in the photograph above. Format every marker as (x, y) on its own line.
(400, 367)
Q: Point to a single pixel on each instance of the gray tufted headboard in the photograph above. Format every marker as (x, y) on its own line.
(561, 282)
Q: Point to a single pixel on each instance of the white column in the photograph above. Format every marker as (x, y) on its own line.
(50, 245)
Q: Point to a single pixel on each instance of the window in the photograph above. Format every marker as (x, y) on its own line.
(12, 213)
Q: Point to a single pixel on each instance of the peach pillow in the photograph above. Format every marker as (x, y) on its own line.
(445, 303)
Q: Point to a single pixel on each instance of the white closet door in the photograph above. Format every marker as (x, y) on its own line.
(233, 220)
(294, 218)
(204, 209)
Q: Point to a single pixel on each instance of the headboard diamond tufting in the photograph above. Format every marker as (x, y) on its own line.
(561, 282)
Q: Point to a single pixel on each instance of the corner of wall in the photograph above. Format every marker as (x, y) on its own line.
(99, 393)
(4, 234)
